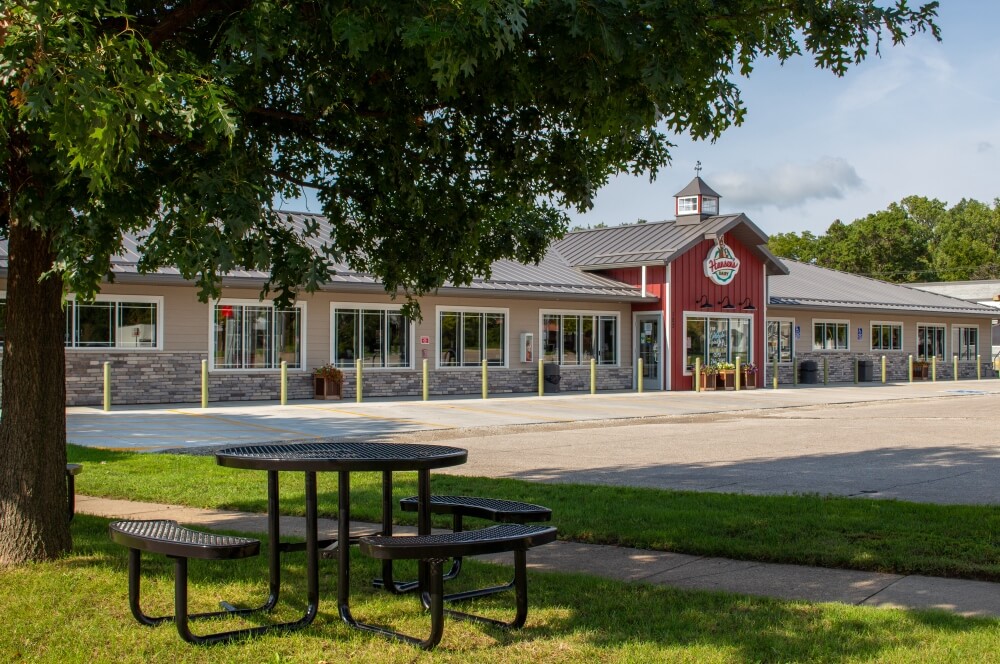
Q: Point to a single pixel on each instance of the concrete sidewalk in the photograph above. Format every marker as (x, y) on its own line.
(791, 582)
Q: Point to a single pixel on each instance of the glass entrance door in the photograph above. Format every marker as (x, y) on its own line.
(650, 352)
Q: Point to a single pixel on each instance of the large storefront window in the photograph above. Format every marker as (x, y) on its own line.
(256, 336)
(966, 342)
(887, 336)
(830, 335)
(378, 337)
(467, 338)
(717, 339)
(112, 324)
(578, 338)
(779, 340)
(930, 342)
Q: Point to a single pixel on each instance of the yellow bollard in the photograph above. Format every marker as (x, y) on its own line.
(284, 383)
(204, 383)
(485, 383)
(954, 364)
(883, 369)
(774, 371)
(736, 378)
(358, 381)
(593, 375)
(933, 368)
(909, 370)
(541, 378)
(426, 385)
(697, 374)
(979, 368)
(638, 375)
(107, 386)
(774, 381)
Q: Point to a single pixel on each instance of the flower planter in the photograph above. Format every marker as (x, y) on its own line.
(725, 380)
(327, 388)
(921, 371)
(749, 380)
(707, 381)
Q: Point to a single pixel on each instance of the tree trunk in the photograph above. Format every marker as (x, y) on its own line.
(33, 521)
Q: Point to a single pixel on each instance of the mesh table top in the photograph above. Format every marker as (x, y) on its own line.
(341, 456)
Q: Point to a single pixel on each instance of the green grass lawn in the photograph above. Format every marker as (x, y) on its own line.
(76, 610)
(878, 535)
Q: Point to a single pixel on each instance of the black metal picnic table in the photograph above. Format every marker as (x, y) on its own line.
(344, 459)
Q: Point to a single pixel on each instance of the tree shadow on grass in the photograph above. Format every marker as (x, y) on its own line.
(573, 613)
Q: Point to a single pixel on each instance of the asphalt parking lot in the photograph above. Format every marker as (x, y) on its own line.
(934, 442)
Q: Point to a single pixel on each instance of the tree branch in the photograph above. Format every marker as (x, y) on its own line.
(187, 14)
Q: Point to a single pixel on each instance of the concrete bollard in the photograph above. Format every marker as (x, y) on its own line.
(358, 381)
(541, 378)
(883, 369)
(697, 374)
(933, 368)
(638, 375)
(954, 365)
(204, 383)
(593, 375)
(485, 381)
(909, 370)
(979, 368)
(284, 383)
(107, 386)
(426, 382)
(736, 378)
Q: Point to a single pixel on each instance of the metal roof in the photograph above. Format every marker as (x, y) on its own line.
(811, 286)
(984, 290)
(697, 187)
(659, 242)
(553, 276)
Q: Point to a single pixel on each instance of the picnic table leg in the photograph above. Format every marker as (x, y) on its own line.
(274, 549)
(387, 581)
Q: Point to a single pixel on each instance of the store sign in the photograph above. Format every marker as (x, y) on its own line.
(721, 264)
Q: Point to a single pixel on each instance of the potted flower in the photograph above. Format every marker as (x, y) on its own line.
(749, 378)
(328, 382)
(726, 372)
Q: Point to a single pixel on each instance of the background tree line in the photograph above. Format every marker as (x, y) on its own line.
(916, 239)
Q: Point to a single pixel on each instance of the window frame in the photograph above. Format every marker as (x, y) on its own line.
(957, 335)
(245, 302)
(580, 314)
(718, 315)
(369, 306)
(70, 311)
(685, 199)
(831, 321)
(944, 341)
(485, 311)
(791, 338)
(883, 324)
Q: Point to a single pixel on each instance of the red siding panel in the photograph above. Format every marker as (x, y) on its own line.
(688, 284)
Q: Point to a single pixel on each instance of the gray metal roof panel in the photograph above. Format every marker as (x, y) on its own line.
(697, 187)
(808, 285)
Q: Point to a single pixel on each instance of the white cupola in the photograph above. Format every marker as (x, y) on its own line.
(696, 202)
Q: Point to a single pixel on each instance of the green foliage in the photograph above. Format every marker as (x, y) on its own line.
(438, 136)
(917, 239)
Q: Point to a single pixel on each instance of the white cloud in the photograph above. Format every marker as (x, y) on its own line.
(919, 71)
(787, 185)
(984, 147)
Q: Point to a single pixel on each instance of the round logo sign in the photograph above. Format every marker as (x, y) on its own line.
(721, 264)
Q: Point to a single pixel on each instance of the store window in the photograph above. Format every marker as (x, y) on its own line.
(930, 341)
(378, 336)
(779, 340)
(966, 342)
(113, 323)
(468, 337)
(256, 336)
(576, 338)
(830, 335)
(887, 336)
(717, 339)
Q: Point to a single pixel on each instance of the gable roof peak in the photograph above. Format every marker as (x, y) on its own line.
(697, 187)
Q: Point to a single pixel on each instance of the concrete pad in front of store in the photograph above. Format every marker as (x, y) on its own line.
(162, 427)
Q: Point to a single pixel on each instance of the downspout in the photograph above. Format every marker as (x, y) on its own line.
(644, 281)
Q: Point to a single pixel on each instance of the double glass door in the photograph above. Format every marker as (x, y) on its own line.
(650, 352)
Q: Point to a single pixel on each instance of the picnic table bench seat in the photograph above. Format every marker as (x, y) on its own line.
(498, 510)
(168, 538)
(435, 549)
(72, 470)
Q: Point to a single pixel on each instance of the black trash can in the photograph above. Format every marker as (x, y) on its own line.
(807, 372)
(865, 371)
(551, 377)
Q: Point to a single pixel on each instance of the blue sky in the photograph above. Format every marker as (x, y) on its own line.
(921, 119)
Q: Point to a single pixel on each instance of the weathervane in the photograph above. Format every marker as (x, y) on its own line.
(697, 168)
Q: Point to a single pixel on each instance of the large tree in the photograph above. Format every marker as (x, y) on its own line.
(438, 136)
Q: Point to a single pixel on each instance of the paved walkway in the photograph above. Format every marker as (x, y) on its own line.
(793, 582)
